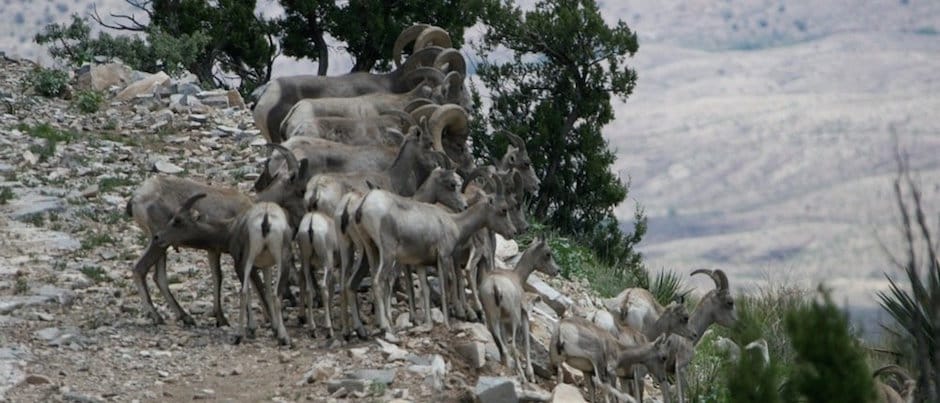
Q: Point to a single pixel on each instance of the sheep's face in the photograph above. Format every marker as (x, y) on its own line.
(721, 305)
(447, 189)
(187, 226)
(517, 212)
(498, 216)
(517, 159)
(547, 263)
(676, 319)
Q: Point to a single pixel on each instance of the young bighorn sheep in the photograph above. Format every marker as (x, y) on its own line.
(638, 308)
(503, 302)
(318, 242)
(257, 237)
(651, 355)
(887, 394)
(333, 194)
(421, 234)
(586, 347)
(152, 207)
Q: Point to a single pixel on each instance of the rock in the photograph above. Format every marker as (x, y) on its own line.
(166, 167)
(60, 295)
(27, 206)
(403, 321)
(48, 334)
(316, 374)
(474, 352)
(100, 77)
(204, 394)
(30, 158)
(188, 89)
(75, 397)
(505, 248)
(350, 385)
(565, 393)
(438, 370)
(235, 99)
(437, 316)
(558, 301)
(479, 333)
(358, 353)
(532, 393)
(36, 380)
(90, 191)
(383, 376)
(392, 352)
(144, 86)
(491, 389)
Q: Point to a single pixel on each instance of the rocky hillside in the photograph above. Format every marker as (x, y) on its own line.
(69, 310)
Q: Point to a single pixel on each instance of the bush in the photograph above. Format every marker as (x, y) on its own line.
(830, 365)
(49, 82)
(88, 101)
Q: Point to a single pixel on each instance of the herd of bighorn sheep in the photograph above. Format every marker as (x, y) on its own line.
(371, 175)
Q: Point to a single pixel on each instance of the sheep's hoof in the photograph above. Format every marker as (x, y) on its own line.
(220, 321)
(362, 334)
(187, 320)
(156, 318)
(237, 339)
(284, 341)
(250, 333)
(312, 333)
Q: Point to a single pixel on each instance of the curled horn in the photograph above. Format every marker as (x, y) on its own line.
(406, 36)
(188, 203)
(894, 369)
(289, 158)
(422, 58)
(718, 276)
(417, 103)
(514, 139)
(433, 35)
(403, 116)
(424, 111)
(453, 60)
(448, 116)
(429, 75)
(479, 172)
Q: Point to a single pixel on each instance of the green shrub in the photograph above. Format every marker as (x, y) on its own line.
(51, 135)
(88, 101)
(6, 194)
(49, 82)
(830, 365)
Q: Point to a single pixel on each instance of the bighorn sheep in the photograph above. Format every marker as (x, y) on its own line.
(423, 35)
(282, 93)
(328, 156)
(638, 308)
(649, 354)
(384, 130)
(887, 394)
(152, 206)
(334, 193)
(517, 159)
(590, 349)
(257, 237)
(318, 243)
(503, 302)
(421, 234)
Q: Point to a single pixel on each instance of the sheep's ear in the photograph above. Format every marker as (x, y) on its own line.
(679, 299)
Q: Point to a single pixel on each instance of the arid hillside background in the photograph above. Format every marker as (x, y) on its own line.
(761, 135)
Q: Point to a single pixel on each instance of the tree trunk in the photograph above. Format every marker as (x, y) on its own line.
(552, 171)
(323, 56)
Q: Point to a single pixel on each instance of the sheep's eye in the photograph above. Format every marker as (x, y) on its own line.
(730, 304)
(525, 164)
(176, 222)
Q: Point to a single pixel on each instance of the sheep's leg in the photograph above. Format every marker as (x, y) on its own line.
(216, 267)
(256, 283)
(159, 277)
(410, 290)
(327, 296)
(472, 271)
(530, 372)
(352, 286)
(378, 291)
(344, 259)
(426, 295)
(445, 265)
(679, 385)
(283, 288)
(140, 279)
(455, 284)
(307, 289)
(280, 265)
(513, 346)
(243, 300)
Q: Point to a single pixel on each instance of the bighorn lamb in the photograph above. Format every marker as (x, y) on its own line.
(332, 194)
(282, 93)
(586, 347)
(420, 234)
(503, 302)
(153, 206)
(638, 308)
(257, 237)
(317, 240)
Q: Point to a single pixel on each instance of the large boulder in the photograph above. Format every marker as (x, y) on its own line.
(146, 85)
(100, 77)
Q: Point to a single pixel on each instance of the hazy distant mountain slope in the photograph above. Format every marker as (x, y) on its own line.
(779, 159)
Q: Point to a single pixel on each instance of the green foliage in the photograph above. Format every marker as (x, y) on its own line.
(667, 286)
(51, 135)
(6, 194)
(96, 240)
(88, 101)
(751, 380)
(48, 82)
(96, 274)
(558, 101)
(110, 183)
(21, 284)
(830, 364)
(915, 309)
